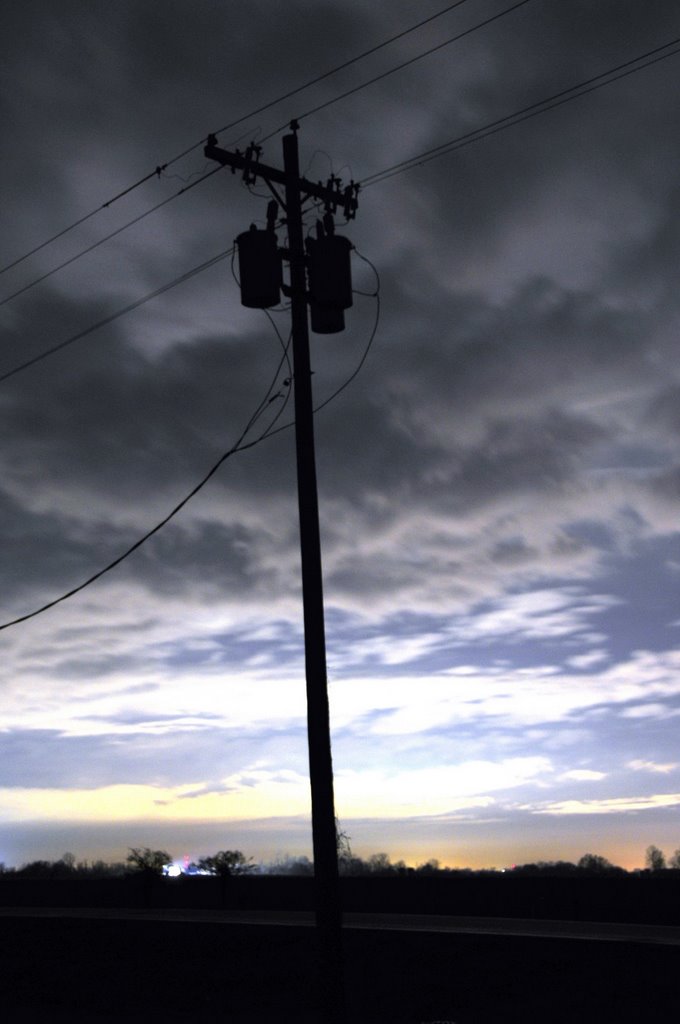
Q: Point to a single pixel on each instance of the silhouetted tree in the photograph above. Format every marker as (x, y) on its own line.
(342, 843)
(597, 865)
(67, 863)
(148, 862)
(590, 862)
(37, 869)
(101, 869)
(224, 863)
(290, 866)
(674, 861)
(380, 864)
(431, 867)
(654, 859)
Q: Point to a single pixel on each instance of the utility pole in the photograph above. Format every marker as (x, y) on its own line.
(296, 191)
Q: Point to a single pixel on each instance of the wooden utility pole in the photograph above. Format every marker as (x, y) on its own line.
(328, 906)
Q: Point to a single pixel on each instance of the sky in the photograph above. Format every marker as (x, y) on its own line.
(498, 485)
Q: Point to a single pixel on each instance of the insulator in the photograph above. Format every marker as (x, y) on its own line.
(330, 271)
(259, 263)
(326, 320)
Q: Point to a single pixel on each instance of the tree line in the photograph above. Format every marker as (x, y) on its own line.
(146, 861)
(141, 860)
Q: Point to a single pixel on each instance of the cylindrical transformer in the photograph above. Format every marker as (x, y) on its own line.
(259, 264)
(330, 271)
(326, 320)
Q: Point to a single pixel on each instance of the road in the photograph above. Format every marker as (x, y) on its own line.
(664, 935)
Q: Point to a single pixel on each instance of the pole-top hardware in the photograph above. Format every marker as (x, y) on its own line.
(252, 157)
(332, 195)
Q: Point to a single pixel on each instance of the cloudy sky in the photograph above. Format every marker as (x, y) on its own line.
(498, 486)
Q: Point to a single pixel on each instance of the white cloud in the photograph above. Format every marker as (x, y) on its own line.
(535, 614)
(652, 766)
(583, 775)
(413, 704)
(588, 659)
(646, 711)
(435, 790)
(615, 805)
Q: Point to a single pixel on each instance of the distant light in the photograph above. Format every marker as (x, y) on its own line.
(174, 870)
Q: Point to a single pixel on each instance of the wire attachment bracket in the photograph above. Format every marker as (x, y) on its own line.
(252, 158)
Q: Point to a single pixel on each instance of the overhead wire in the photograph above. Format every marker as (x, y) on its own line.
(631, 66)
(160, 168)
(374, 295)
(589, 85)
(573, 92)
(173, 512)
(498, 125)
(107, 238)
(400, 67)
(81, 220)
(239, 446)
(364, 356)
(186, 276)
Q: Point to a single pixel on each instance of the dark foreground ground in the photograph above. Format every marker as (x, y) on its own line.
(61, 969)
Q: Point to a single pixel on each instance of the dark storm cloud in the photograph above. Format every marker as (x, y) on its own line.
(184, 71)
(476, 396)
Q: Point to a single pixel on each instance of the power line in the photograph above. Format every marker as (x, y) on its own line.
(106, 238)
(629, 67)
(589, 85)
(157, 171)
(168, 199)
(166, 519)
(490, 129)
(500, 124)
(328, 74)
(158, 206)
(81, 220)
(186, 276)
(400, 67)
(240, 445)
(566, 95)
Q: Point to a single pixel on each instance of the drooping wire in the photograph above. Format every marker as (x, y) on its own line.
(157, 171)
(186, 276)
(106, 238)
(238, 446)
(241, 445)
(558, 99)
(369, 345)
(400, 67)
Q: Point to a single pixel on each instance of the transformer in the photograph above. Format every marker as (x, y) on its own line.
(259, 263)
(326, 320)
(330, 273)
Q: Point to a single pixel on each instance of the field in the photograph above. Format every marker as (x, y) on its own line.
(73, 969)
